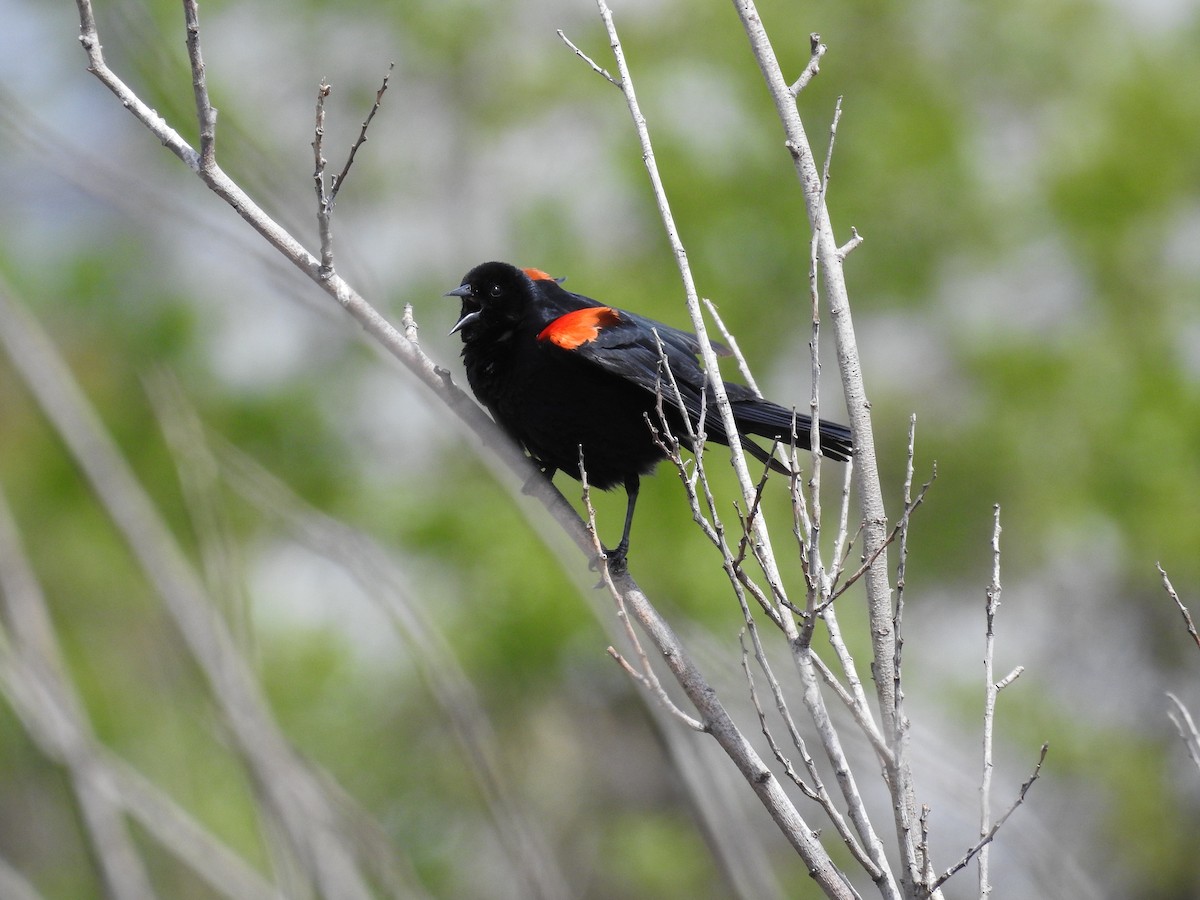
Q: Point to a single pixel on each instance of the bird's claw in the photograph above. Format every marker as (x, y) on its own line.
(616, 560)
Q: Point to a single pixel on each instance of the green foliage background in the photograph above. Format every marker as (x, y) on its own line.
(1027, 180)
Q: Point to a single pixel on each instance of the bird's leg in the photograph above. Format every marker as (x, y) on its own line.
(616, 556)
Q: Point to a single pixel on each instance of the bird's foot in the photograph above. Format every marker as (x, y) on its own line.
(617, 561)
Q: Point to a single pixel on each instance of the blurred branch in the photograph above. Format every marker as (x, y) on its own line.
(381, 579)
(199, 480)
(14, 885)
(1186, 726)
(34, 678)
(292, 792)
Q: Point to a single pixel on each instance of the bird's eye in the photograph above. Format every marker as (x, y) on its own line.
(495, 290)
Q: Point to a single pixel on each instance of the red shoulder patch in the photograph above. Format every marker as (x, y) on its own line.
(538, 275)
(578, 327)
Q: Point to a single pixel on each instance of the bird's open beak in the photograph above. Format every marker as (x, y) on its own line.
(467, 319)
(469, 315)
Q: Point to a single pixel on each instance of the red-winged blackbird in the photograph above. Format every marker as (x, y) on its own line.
(560, 371)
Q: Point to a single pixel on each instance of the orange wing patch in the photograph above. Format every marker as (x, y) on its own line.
(538, 275)
(577, 328)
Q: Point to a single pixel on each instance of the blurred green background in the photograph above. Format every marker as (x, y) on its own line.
(1027, 178)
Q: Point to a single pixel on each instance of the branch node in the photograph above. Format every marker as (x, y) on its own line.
(847, 248)
(813, 69)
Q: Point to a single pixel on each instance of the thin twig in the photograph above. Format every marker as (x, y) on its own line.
(340, 178)
(734, 349)
(892, 535)
(206, 115)
(788, 769)
(847, 248)
(646, 676)
(747, 521)
(923, 844)
(991, 834)
(841, 540)
(326, 198)
(817, 790)
(813, 69)
(324, 202)
(991, 691)
(1183, 610)
(901, 575)
(603, 73)
(707, 352)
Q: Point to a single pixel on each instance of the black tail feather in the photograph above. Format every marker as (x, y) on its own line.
(770, 420)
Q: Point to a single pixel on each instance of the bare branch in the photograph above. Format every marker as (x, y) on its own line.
(206, 116)
(902, 562)
(327, 198)
(646, 677)
(432, 376)
(991, 834)
(1183, 610)
(731, 341)
(340, 178)
(591, 62)
(817, 790)
(841, 540)
(813, 69)
(989, 703)
(324, 201)
(33, 677)
(879, 599)
(707, 353)
(856, 702)
(847, 248)
(291, 788)
(1009, 678)
(892, 535)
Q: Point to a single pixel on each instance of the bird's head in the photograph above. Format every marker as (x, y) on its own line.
(495, 295)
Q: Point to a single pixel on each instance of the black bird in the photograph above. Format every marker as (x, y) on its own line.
(559, 371)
